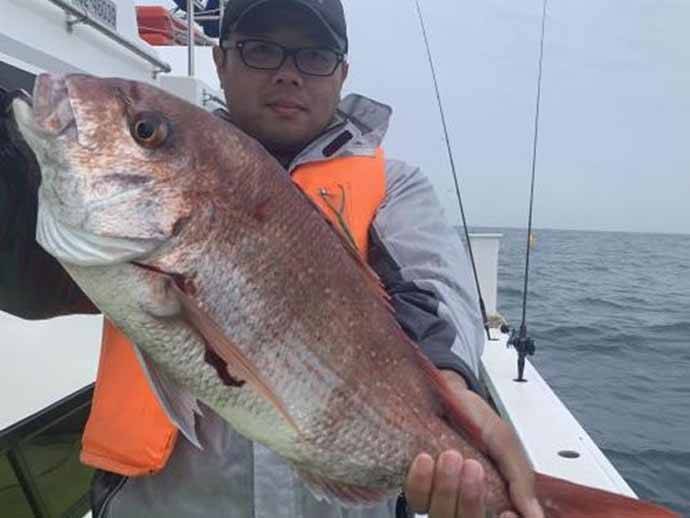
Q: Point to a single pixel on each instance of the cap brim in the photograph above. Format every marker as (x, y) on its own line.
(340, 42)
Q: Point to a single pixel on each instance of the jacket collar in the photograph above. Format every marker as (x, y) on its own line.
(358, 129)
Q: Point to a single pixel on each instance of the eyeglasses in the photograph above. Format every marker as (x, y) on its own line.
(267, 55)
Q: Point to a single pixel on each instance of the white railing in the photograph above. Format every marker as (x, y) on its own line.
(75, 16)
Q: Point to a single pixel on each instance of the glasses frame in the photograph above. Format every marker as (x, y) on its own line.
(287, 53)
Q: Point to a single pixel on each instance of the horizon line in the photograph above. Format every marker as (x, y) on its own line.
(666, 233)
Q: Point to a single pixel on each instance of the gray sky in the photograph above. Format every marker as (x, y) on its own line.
(614, 151)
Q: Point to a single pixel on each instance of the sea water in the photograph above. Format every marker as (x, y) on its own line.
(610, 313)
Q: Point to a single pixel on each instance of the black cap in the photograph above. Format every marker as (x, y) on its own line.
(329, 12)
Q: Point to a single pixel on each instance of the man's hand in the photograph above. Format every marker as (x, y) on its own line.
(453, 487)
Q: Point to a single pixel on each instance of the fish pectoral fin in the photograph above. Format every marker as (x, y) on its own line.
(239, 367)
(348, 495)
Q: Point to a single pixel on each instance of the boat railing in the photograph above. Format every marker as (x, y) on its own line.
(76, 15)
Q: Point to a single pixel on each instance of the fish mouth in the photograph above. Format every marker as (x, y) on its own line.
(52, 107)
(49, 111)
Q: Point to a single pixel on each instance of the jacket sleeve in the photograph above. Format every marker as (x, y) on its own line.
(425, 269)
(33, 285)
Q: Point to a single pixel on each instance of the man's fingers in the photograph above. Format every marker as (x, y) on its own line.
(472, 491)
(419, 482)
(444, 494)
(506, 450)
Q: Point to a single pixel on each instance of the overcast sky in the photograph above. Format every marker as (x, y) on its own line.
(614, 148)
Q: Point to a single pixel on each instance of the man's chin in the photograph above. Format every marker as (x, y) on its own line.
(285, 137)
(281, 146)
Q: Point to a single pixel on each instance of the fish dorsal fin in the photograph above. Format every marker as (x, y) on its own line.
(238, 365)
(458, 417)
(351, 248)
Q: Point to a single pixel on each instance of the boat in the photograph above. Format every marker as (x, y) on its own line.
(46, 385)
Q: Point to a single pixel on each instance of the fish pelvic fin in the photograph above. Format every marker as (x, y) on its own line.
(239, 367)
(562, 499)
(180, 406)
(347, 495)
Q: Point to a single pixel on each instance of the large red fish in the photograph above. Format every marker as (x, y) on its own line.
(195, 242)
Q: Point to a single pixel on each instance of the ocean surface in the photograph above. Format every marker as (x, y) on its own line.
(610, 313)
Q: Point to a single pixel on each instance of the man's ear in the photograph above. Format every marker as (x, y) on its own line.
(344, 70)
(218, 58)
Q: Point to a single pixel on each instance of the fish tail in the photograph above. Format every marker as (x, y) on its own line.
(562, 499)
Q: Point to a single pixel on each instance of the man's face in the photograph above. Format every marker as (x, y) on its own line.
(284, 109)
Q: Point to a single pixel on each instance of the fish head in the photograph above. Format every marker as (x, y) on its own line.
(113, 173)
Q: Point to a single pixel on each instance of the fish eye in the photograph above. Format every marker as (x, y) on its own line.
(149, 130)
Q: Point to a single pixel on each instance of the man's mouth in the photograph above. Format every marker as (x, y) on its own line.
(286, 108)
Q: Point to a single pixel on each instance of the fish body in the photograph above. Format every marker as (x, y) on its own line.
(236, 291)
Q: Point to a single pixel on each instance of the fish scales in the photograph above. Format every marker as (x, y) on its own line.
(318, 335)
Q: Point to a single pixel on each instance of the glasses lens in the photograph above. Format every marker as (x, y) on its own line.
(262, 54)
(318, 62)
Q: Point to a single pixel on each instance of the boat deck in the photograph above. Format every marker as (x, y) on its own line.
(555, 441)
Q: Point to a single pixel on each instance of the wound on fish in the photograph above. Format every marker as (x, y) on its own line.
(221, 367)
(261, 210)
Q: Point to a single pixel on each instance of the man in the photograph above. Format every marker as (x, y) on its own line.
(282, 65)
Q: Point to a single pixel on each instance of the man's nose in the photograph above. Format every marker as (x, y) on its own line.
(288, 73)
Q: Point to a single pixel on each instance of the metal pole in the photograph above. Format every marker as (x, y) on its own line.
(190, 38)
(221, 11)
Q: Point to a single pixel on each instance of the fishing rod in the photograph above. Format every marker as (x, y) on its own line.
(524, 345)
(482, 306)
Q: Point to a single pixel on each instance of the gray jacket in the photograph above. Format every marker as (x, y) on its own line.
(426, 271)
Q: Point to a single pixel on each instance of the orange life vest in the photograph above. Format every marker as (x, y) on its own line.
(127, 431)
